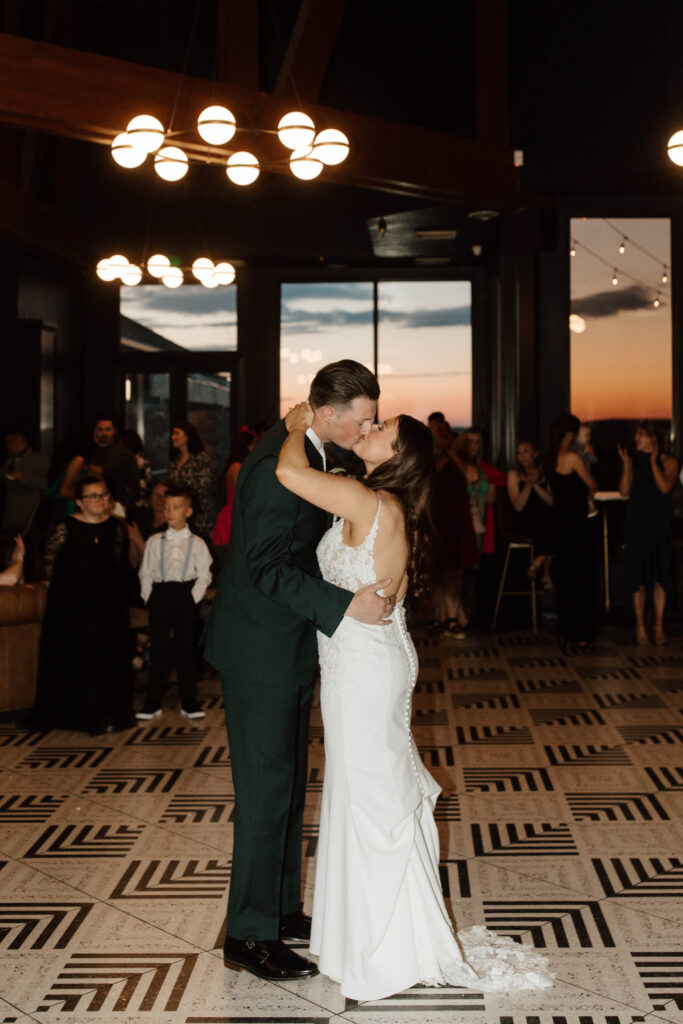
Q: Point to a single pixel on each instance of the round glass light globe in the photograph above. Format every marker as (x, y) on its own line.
(173, 278)
(202, 267)
(216, 125)
(145, 132)
(132, 275)
(304, 164)
(224, 273)
(296, 130)
(577, 324)
(125, 154)
(242, 168)
(158, 265)
(171, 164)
(104, 271)
(118, 264)
(209, 281)
(331, 146)
(674, 148)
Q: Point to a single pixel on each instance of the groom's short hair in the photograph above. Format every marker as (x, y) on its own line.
(337, 384)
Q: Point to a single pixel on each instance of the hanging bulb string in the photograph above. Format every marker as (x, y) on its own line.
(284, 49)
(636, 245)
(610, 263)
(183, 73)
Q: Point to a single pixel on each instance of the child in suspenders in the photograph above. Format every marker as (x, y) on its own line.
(174, 575)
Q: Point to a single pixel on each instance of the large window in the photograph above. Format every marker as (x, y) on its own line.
(156, 318)
(425, 349)
(621, 354)
(421, 348)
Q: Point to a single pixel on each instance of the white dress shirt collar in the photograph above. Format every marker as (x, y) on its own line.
(317, 444)
(172, 534)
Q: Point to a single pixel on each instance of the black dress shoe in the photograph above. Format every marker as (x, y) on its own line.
(269, 959)
(295, 926)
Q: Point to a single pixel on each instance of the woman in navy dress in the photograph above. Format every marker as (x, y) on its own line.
(648, 479)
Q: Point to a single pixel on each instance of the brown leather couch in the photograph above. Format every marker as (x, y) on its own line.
(21, 614)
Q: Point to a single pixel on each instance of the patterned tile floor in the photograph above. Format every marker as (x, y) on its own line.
(561, 825)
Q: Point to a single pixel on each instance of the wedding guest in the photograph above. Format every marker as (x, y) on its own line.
(131, 440)
(83, 675)
(13, 563)
(531, 502)
(114, 463)
(584, 447)
(648, 480)
(24, 475)
(190, 467)
(576, 563)
(152, 516)
(455, 541)
(467, 453)
(62, 476)
(174, 575)
(240, 447)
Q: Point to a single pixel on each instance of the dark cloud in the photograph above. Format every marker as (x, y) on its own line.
(192, 300)
(329, 290)
(304, 321)
(610, 303)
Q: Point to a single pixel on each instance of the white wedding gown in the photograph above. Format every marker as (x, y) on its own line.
(380, 924)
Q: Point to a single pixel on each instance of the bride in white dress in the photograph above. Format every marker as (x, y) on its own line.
(380, 924)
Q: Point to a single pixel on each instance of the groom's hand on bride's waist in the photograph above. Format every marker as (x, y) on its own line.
(371, 607)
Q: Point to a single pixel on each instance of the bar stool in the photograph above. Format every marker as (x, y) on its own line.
(520, 544)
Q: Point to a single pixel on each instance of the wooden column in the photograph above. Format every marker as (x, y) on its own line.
(258, 346)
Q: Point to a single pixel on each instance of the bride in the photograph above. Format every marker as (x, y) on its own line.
(380, 924)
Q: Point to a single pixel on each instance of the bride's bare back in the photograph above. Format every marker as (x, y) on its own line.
(391, 550)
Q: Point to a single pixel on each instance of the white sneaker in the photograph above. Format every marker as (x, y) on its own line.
(148, 712)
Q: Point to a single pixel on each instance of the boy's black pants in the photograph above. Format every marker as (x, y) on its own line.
(171, 607)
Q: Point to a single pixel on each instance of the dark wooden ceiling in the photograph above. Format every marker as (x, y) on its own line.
(433, 97)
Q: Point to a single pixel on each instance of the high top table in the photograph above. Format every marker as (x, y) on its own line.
(605, 496)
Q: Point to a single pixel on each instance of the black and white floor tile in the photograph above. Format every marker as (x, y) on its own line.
(561, 825)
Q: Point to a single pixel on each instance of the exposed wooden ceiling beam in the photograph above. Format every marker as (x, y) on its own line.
(237, 42)
(85, 96)
(310, 47)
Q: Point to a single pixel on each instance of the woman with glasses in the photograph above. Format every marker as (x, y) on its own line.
(83, 674)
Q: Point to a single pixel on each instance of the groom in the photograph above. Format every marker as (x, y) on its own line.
(262, 638)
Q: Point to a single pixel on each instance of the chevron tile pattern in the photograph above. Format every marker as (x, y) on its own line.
(561, 826)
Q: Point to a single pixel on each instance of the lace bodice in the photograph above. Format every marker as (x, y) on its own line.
(348, 567)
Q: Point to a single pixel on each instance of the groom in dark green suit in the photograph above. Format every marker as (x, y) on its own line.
(262, 638)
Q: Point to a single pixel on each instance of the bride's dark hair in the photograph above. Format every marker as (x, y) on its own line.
(409, 475)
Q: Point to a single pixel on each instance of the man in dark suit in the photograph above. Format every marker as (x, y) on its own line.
(262, 638)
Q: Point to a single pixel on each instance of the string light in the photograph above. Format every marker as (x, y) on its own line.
(657, 303)
(622, 247)
(623, 273)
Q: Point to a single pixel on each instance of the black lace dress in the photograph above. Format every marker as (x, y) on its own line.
(649, 545)
(575, 561)
(84, 680)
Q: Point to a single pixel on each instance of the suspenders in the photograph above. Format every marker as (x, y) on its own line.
(162, 557)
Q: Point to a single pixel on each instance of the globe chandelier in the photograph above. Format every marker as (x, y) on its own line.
(160, 267)
(310, 151)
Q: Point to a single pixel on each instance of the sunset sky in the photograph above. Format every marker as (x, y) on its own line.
(621, 364)
(425, 338)
(425, 342)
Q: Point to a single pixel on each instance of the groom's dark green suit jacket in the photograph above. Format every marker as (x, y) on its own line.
(270, 596)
